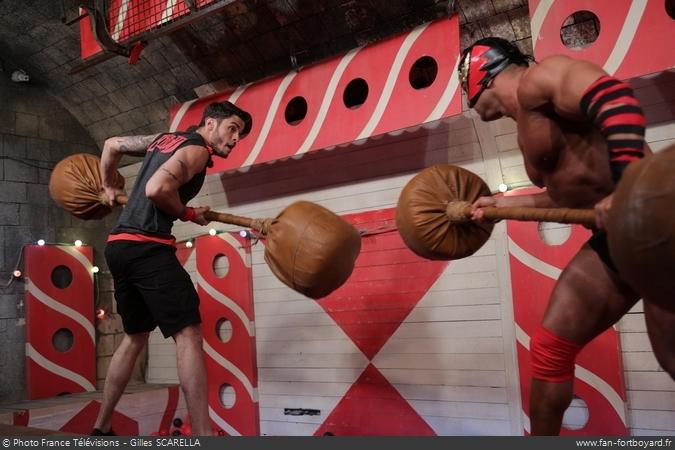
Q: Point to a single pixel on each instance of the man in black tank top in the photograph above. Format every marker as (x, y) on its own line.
(151, 287)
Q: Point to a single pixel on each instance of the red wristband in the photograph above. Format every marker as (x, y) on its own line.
(188, 214)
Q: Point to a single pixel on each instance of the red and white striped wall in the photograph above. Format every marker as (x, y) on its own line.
(60, 306)
(634, 39)
(535, 268)
(222, 273)
(60, 336)
(387, 283)
(392, 103)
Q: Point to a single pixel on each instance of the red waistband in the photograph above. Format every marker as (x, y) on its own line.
(141, 238)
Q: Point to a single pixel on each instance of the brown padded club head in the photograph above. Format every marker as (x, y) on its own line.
(75, 184)
(641, 227)
(421, 213)
(311, 249)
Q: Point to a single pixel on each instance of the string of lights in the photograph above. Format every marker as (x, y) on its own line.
(17, 271)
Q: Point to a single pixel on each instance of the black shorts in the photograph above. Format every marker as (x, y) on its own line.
(151, 287)
(598, 242)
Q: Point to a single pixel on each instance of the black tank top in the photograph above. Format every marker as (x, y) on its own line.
(140, 215)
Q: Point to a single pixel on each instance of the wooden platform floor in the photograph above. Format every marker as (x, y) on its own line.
(144, 404)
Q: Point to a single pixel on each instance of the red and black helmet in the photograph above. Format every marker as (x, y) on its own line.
(483, 61)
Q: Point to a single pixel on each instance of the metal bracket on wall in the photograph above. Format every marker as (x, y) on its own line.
(451, 8)
(70, 12)
(112, 48)
(192, 5)
(95, 9)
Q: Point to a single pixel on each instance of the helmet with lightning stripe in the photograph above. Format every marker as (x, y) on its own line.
(483, 61)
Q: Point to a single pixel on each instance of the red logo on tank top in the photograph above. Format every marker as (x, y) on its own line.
(167, 143)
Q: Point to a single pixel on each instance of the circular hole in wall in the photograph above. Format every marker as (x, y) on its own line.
(224, 329)
(62, 277)
(670, 8)
(221, 265)
(356, 93)
(227, 395)
(423, 72)
(296, 110)
(576, 415)
(580, 30)
(554, 233)
(62, 340)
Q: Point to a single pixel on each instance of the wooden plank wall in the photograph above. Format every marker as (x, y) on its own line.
(465, 382)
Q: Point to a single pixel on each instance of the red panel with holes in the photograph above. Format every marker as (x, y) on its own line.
(60, 338)
(390, 85)
(634, 37)
(535, 267)
(226, 305)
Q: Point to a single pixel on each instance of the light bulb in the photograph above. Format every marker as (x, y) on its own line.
(94, 269)
(212, 231)
(188, 244)
(503, 187)
(41, 242)
(19, 76)
(78, 243)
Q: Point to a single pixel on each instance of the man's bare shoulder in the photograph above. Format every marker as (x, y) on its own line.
(544, 73)
(553, 78)
(555, 62)
(194, 155)
(537, 84)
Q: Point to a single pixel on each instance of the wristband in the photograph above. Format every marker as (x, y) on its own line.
(188, 215)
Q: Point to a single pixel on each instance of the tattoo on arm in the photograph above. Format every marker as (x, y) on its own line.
(135, 145)
(171, 174)
(183, 171)
(180, 174)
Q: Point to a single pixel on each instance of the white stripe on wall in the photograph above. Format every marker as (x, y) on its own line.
(60, 307)
(58, 370)
(391, 81)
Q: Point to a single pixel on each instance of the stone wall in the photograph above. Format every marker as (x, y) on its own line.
(35, 133)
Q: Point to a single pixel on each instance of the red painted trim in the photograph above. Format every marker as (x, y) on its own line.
(140, 238)
(171, 406)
